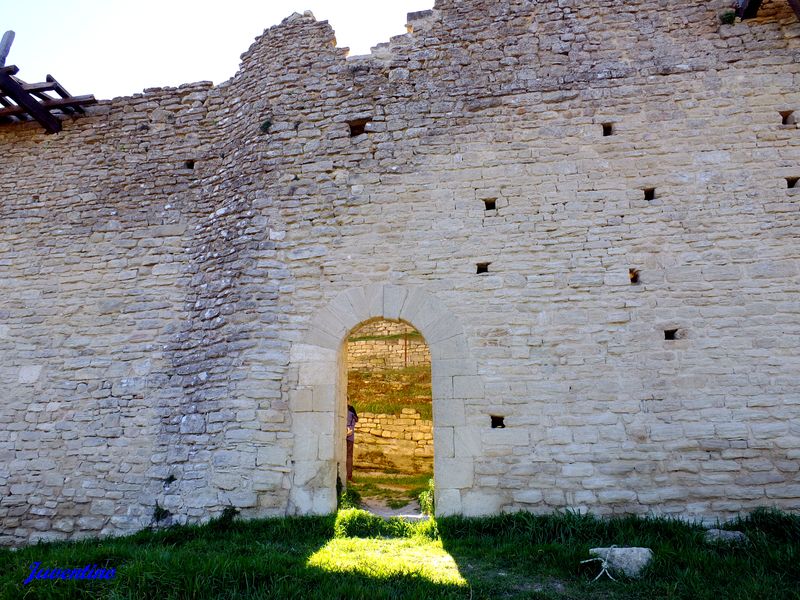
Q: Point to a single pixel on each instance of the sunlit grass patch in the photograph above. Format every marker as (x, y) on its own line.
(389, 391)
(397, 490)
(357, 523)
(382, 559)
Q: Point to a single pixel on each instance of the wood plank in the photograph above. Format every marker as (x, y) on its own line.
(27, 102)
(59, 103)
(61, 91)
(44, 99)
(44, 86)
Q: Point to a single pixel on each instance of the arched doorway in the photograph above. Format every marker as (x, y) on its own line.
(390, 460)
(318, 398)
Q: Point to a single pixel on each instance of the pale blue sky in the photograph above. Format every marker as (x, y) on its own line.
(113, 48)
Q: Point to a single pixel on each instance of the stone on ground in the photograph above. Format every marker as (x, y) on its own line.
(627, 561)
(716, 536)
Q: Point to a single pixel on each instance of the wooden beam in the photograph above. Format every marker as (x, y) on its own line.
(44, 86)
(27, 102)
(5, 46)
(72, 102)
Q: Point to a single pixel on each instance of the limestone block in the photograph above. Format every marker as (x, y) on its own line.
(449, 412)
(453, 347)
(716, 536)
(469, 386)
(271, 455)
(306, 444)
(416, 308)
(324, 397)
(509, 436)
(467, 442)
(616, 496)
(318, 373)
(29, 373)
(454, 472)
(302, 353)
(192, 424)
(630, 562)
(343, 311)
(478, 503)
(577, 470)
(445, 441)
(527, 496)
(301, 501)
(358, 303)
(441, 388)
(239, 498)
(310, 474)
(373, 294)
(324, 502)
(447, 501)
(326, 447)
(393, 299)
(449, 367)
(445, 327)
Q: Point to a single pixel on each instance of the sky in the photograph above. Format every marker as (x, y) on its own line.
(115, 48)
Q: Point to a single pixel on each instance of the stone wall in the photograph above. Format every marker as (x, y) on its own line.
(402, 442)
(386, 345)
(177, 284)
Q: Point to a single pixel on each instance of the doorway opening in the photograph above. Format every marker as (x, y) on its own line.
(389, 386)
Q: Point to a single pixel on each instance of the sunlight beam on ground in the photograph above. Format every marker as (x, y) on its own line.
(382, 558)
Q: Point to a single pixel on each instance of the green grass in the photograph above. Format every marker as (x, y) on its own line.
(358, 555)
(389, 391)
(396, 490)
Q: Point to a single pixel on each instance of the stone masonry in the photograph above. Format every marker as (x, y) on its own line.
(401, 442)
(590, 211)
(386, 345)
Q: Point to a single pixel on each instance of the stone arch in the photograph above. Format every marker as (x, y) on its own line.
(317, 399)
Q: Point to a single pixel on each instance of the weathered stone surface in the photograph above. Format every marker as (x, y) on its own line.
(716, 536)
(164, 257)
(626, 561)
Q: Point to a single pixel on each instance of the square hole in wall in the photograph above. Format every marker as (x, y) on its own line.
(490, 204)
(791, 182)
(634, 275)
(482, 268)
(649, 193)
(788, 117)
(498, 422)
(189, 164)
(358, 126)
(608, 129)
(670, 334)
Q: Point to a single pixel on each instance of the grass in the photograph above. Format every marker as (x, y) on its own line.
(389, 391)
(357, 555)
(395, 489)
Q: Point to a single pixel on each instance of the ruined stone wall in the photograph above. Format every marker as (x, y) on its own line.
(386, 345)
(402, 443)
(160, 319)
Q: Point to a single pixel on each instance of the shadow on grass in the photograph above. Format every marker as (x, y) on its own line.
(358, 555)
(527, 556)
(273, 558)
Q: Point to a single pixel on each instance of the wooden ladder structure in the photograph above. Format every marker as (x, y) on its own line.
(22, 101)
